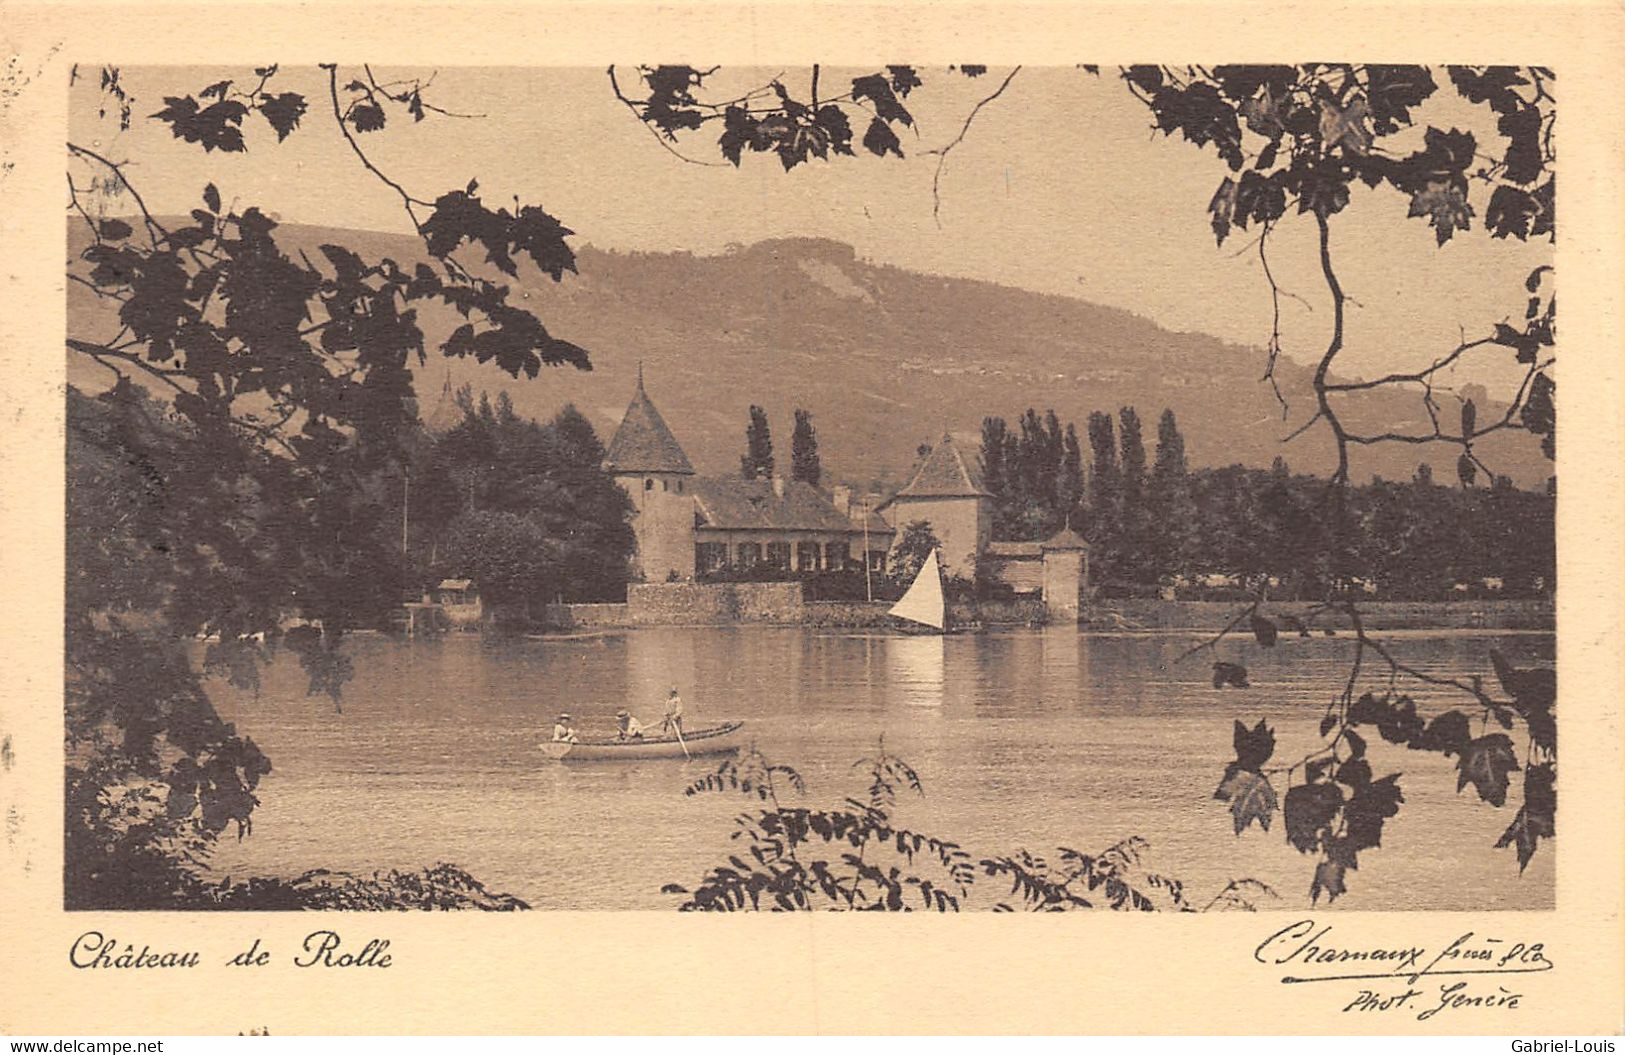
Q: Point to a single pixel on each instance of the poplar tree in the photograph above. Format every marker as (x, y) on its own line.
(757, 461)
(804, 450)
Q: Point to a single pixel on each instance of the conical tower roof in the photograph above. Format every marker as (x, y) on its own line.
(1065, 539)
(643, 443)
(945, 473)
(446, 415)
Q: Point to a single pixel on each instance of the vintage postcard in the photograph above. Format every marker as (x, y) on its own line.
(511, 508)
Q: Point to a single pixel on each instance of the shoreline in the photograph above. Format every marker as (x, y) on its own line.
(1117, 617)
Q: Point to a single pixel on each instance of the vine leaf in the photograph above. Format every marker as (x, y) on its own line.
(1222, 208)
(214, 127)
(1485, 763)
(1512, 211)
(1445, 205)
(880, 140)
(1534, 695)
(1392, 91)
(1532, 689)
(1396, 720)
(1328, 880)
(1345, 127)
(1537, 819)
(878, 90)
(1355, 773)
(459, 216)
(1308, 812)
(282, 112)
(1489, 84)
(1522, 129)
(1251, 798)
(1253, 746)
(542, 237)
(1525, 344)
(904, 79)
(1373, 803)
(1448, 734)
(367, 117)
(1540, 413)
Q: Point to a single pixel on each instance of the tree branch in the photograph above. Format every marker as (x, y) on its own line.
(155, 230)
(615, 86)
(407, 199)
(942, 152)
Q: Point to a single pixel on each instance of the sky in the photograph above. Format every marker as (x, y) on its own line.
(1058, 186)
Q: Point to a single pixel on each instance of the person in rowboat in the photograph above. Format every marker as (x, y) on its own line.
(627, 727)
(672, 721)
(563, 731)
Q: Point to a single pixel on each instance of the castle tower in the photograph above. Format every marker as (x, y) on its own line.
(1066, 570)
(445, 415)
(947, 492)
(649, 464)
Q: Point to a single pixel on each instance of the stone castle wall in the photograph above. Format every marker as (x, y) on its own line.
(770, 603)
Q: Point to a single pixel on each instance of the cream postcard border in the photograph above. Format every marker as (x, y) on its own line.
(552, 972)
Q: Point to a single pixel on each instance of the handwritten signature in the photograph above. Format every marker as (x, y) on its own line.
(1392, 973)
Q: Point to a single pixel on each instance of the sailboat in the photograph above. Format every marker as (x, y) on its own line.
(923, 604)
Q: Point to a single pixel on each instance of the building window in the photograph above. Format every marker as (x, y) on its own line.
(778, 555)
(679, 487)
(837, 555)
(877, 560)
(807, 556)
(665, 485)
(709, 556)
(749, 554)
(648, 485)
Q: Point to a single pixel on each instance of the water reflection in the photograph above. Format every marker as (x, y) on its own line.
(1032, 738)
(914, 666)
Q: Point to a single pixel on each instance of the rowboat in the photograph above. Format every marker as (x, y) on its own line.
(717, 740)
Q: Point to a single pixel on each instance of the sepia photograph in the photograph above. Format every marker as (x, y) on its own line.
(565, 519)
(769, 488)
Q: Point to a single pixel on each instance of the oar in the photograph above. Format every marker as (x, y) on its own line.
(677, 727)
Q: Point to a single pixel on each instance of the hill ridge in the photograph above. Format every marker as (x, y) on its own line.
(886, 357)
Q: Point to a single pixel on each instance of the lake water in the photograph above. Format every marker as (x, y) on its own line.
(1023, 738)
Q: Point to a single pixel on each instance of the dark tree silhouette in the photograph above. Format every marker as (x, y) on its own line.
(1070, 486)
(913, 546)
(1134, 561)
(1105, 494)
(804, 450)
(757, 461)
(268, 398)
(569, 518)
(1173, 526)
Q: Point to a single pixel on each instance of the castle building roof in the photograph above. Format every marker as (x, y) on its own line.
(446, 414)
(643, 443)
(945, 473)
(1065, 539)
(731, 503)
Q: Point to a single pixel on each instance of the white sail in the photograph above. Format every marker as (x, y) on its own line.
(923, 602)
